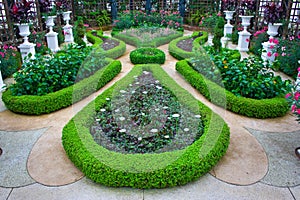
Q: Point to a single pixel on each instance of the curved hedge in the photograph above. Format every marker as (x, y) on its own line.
(37, 105)
(153, 43)
(264, 108)
(155, 170)
(113, 53)
(181, 54)
(142, 56)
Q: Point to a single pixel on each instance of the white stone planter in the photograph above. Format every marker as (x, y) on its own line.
(2, 85)
(52, 40)
(26, 47)
(273, 29)
(68, 32)
(244, 36)
(246, 21)
(228, 27)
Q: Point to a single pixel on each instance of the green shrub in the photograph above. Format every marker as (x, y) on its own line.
(179, 53)
(158, 170)
(256, 43)
(37, 105)
(218, 33)
(145, 55)
(264, 108)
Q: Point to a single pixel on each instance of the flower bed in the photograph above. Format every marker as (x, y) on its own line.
(179, 53)
(37, 105)
(263, 108)
(145, 55)
(147, 36)
(113, 53)
(144, 170)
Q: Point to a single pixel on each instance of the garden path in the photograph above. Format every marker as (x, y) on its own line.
(246, 162)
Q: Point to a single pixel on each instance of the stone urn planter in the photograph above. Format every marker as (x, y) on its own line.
(26, 48)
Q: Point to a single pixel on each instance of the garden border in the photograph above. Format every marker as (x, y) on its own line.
(145, 170)
(113, 53)
(37, 105)
(181, 54)
(154, 43)
(264, 108)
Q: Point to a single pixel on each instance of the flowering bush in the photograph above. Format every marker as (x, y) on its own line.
(293, 97)
(10, 60)
(38, 39)
(209, 21)
(229, 5)
(258, 38)
(288, 55)
(129, 19)
(21, 12)
(273, 13)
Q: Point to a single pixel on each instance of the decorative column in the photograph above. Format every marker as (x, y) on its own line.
(267, 53)
(68, 32)
(52, 40)
(2, 85)
(26, 48)
(228, 27)
(244, 36)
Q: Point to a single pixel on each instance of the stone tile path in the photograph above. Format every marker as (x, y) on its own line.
(259, 164)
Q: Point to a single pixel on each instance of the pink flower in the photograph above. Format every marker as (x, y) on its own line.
(271, 40)
(34, 32)
(297, 95)
(38, 44)
(275, 41)
(2, 54)
(13, 54)
(294, 108)
(86, 25)
(265, 28)
(200, 23)
(269, 54)
(288, 95)
(292, 38)
(5, 47)
(283, 48)
(298, 36)
(247, 40)
(298, 111)
(298, 69)
(219, 14)
(272, 47)
(283, 54)
(276, 54)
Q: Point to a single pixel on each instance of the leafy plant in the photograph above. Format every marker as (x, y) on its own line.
(79, 31)
(21, 12)
(273, 13)
(259, 37)
(293, 98)
(146, 55)
(218, 33)
(10, 60)
(103, 19)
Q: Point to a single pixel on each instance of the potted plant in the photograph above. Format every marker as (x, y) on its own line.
(229, 5)
(273, 14)
(248, 7)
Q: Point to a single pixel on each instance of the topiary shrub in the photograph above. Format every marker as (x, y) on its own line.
(149, 170)
(218, 34)
(145, 55)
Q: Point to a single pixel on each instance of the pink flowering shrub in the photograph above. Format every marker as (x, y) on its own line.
(293, 97)
(10, 60)
(259, 37)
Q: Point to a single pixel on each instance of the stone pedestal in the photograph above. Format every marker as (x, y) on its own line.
(2, 85)
(26, 49)
(267, 50)
(68, 33)
(243, 43)
(52, 41)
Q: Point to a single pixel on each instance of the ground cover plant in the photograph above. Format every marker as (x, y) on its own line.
(147, 36)
(143, 166)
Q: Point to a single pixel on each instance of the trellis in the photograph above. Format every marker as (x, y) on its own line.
(91, 9)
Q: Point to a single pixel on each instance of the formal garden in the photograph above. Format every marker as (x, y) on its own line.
(146, 131)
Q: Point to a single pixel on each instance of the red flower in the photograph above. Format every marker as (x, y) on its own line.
(294, 108)
(15, 9)
(272, 47)
(275, 41)
(276, 54)
(288, 95)
(297, 95)
(269, 54)
(38, 45)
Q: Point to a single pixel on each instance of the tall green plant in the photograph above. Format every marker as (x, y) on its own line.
(218, 34)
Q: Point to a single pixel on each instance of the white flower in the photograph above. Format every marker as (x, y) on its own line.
(133, 92)
(186, 129)
(102, 110)
(145, 72)
(130, 85)
(107, 99)
(198, 116)
(123, 130)
(165, 107)
(167, 136)
(156, 109)
(122, 91)
(157, 81)
(135, 76)
(175, 115)
(145, 92)
(121, 118)
(154, 130)
(158, 87)
(140, 138)
(97, 120)
(117, 110)
(137, 83)
(143, 114)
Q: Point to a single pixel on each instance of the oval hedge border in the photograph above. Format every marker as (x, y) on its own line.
(113, 53)
(153, 43)
(141, 56)
(264, 108)
(156, 170)
(37, 105)
(181, 54)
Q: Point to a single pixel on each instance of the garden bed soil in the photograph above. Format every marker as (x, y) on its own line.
(107, 42)
(186, 45)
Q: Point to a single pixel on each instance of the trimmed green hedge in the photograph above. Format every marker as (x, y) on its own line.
(156, 170)
(37, 105)
(181, 54)
(153, 43)
(142, 56)
(264, 108)
(113, 53)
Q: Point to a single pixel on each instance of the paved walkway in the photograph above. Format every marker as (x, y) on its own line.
(259, 164)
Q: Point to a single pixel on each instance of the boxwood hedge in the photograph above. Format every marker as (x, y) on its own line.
(144, 55)
(37, 105)
(113, 53)
(264, 108)
(155, 170)
(153, 43)
(179, 53)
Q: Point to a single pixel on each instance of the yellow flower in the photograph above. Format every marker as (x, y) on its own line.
(274, 82)
(224, 61)
(225, 66)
